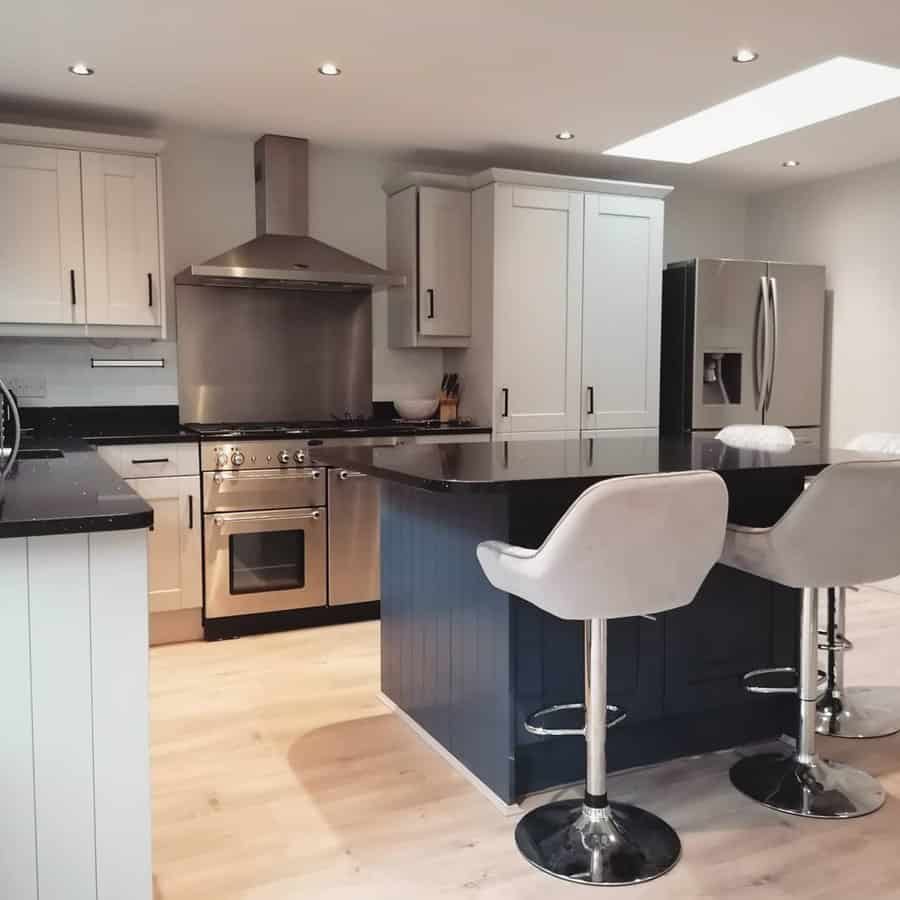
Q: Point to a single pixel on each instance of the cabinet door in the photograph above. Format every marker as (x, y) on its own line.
(538, 242)
(623, 239)
(445, 262)
(174, 555)
(121, 239)
(41, 249)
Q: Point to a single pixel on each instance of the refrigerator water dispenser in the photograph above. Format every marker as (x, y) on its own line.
(722, 378)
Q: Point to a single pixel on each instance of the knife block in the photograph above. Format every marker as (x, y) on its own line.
(449, 409)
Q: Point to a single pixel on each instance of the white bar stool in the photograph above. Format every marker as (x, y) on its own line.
(843, 529)
(626, 547)
(855, 712)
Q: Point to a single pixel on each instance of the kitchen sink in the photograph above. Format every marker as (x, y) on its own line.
(40, 454)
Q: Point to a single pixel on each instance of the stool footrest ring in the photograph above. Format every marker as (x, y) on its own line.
(761, 688)
(532, 727)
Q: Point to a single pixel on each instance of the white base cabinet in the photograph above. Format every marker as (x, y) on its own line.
(75, 718)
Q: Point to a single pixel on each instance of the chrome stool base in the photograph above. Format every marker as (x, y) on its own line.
(618, 844)
(819, 790)
(861, 712)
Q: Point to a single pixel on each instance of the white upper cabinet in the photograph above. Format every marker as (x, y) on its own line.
(121, 239)
(430, 242)
(80, 244)
(538, 260)
(623, 239)
(41, 257)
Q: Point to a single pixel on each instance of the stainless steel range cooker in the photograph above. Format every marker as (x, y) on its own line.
(283, 534)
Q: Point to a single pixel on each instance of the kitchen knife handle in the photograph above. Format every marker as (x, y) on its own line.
(590, 392)
(430, 293)
(149, 289)
(505, 392)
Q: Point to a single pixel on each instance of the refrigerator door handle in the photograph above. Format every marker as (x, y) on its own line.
(761, 346)
(773, 299)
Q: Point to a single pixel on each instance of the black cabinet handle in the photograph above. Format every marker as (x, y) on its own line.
(430, 293)
(147, 462)
(149, 289)
(190, 510)
(72, 285)
(590, 401)
(505, 402)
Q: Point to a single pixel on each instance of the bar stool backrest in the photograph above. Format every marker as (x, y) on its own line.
(625, 547)
(843, 529)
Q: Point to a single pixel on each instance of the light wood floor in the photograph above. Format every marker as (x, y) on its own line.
(278, 774)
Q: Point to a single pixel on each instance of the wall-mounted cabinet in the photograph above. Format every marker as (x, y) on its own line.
(80, 237)
(566, 284)
(429, 240)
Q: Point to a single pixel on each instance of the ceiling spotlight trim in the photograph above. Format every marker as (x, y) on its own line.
(565, 135)
(745, 55)
(819, 93)
(81, 69)
(791, 163)
(329, 69)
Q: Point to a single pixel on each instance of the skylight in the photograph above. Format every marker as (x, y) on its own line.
(833, 88)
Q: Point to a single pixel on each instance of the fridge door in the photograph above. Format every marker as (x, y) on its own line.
(729, 336)
(797, 302)
(354, 545)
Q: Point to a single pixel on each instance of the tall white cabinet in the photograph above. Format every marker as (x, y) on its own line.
(566, 290)
(80, 235)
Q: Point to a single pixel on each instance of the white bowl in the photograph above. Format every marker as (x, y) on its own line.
(416, 409)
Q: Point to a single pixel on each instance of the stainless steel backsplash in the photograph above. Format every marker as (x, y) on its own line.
(248, 355)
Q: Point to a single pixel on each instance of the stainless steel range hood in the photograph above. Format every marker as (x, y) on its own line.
(283, 255)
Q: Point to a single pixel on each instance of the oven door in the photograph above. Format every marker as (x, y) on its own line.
(259, 562)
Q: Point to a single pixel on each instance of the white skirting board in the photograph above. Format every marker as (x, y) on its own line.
(74, 760)
(508, 809)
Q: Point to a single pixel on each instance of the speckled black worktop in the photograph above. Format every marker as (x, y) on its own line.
(501, 466)
(75, 493)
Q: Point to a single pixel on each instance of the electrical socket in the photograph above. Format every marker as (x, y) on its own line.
(27, 386)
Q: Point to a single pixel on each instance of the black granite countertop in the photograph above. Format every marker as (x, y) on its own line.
(500, 466)
(72, 493)
(105, 425)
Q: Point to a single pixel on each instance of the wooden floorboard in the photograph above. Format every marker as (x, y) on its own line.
(277, 774)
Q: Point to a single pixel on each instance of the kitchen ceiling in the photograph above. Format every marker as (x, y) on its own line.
(455, 84)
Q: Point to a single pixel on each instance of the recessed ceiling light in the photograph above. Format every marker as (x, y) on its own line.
(81, 69)
(329, 68)
(833, 88)
(565, 135)
(745, 56)
(791, 163)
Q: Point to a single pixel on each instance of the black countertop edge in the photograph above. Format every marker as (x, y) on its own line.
(324, 433)
(77, 493)
(179, 437)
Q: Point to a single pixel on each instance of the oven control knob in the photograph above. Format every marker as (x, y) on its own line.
(221, 459)
(237, 458)
(284, 457)
(299, 457)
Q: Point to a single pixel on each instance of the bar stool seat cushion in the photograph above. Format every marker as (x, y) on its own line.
(812, 544)
(626, 547)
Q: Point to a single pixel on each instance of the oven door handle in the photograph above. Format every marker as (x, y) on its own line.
(220, 477)
(249, 521)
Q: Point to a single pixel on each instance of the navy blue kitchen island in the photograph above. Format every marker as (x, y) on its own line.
(468, 663)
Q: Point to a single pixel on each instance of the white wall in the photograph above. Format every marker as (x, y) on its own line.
(850, 223)
(208, 208)
(704, 223)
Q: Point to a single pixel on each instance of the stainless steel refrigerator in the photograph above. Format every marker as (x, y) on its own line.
(742, 343)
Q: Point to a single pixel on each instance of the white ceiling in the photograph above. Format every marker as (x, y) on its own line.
(462, 83)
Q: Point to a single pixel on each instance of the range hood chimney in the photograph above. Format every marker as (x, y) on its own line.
(283, 255)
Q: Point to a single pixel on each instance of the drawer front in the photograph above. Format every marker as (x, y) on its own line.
(152, 460)
(251, 490)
